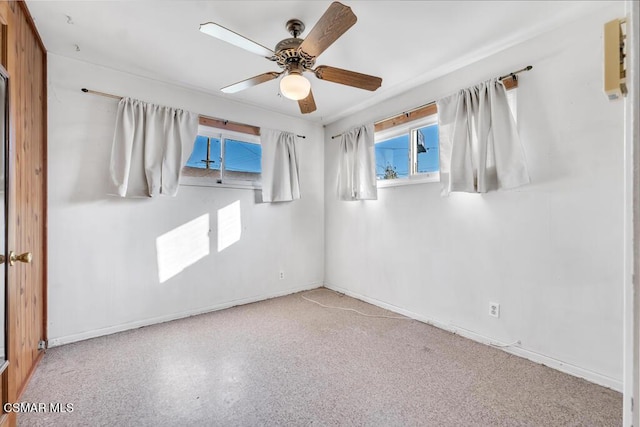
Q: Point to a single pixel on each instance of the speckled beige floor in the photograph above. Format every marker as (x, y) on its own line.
(287, 361)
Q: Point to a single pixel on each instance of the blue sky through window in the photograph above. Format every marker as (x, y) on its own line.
(242, 156)
(239, 156)
(199, 153)
(393, 153)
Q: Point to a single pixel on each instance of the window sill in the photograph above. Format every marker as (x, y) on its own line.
(208, 182)
(422, 179)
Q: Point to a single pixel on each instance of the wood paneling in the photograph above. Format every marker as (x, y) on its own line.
(409, 116)
(510, 82)
(26, 285)
(226, 124)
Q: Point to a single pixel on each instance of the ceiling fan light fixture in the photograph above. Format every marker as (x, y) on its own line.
(295, 86)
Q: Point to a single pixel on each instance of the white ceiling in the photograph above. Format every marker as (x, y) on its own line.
(404, 42)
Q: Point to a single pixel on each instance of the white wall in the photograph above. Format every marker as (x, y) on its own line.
(550, 253)
(103, 272)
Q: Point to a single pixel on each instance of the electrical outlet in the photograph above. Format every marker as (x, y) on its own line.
(494, 309)
(282, 275)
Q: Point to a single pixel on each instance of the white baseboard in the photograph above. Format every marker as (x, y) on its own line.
(68, 339)
(559, 365)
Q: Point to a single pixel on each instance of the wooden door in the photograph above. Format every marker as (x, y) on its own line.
(24, 58)
(4, 148)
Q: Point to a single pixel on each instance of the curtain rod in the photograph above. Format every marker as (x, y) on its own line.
(225, 122)
(406, 113)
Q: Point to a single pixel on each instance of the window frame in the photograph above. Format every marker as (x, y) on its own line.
(410, 128)
(223, 182)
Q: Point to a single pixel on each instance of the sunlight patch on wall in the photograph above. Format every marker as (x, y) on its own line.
(229, 225)
(182, 247)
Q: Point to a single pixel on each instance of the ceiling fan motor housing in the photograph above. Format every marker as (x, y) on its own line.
(288, 50)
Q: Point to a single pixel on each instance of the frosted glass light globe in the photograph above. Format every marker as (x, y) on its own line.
(295, 86)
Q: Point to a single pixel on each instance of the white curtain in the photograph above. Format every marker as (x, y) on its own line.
(480, 149)
(150, 145)
(357, 165)
(280, 176)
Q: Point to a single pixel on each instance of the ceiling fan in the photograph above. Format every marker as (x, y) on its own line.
(296, 56)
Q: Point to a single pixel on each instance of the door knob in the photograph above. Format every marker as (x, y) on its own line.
(25, 257)
(2, 259)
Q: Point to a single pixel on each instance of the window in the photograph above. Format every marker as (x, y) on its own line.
(224, 157)
(408, 153)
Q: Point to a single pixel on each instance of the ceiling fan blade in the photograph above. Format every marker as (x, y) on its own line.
(308, 104)
(335, 22)
(253, 81)
(349, 78)
(225, 34)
